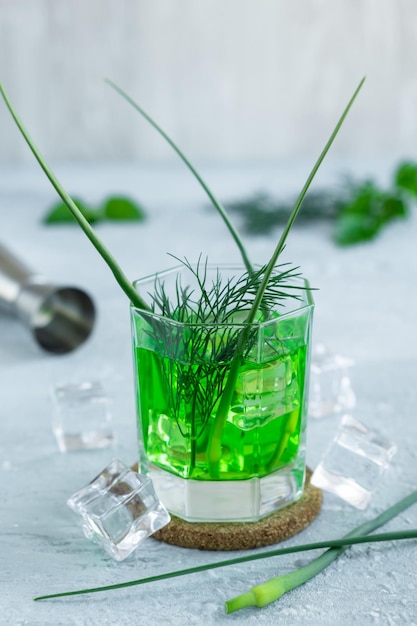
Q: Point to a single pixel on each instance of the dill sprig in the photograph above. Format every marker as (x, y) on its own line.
(223, 300)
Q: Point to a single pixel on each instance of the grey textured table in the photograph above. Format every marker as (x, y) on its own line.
(366, 308)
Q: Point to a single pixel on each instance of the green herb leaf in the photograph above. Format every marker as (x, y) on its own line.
(354, 228)
(405, 177)
(359, 210)
(60, 213)
(261, 212)
(368, 210)
(114, 208)
(123, 209)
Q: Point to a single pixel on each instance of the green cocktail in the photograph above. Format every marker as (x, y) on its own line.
(181, 371)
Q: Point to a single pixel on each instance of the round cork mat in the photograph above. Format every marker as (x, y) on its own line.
(245, 535)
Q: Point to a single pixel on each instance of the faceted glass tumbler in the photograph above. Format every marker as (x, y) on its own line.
(354, 462)
(331, 391)
(212, 459)
(119, 509)
(81, 416)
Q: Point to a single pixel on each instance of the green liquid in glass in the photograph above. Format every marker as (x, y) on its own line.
(178, 402)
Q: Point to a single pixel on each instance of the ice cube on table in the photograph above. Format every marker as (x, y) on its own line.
(119, 509)
(81, 417)
(331, 390)
(354, 462)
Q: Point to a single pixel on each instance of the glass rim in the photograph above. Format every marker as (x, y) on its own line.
(305, 292)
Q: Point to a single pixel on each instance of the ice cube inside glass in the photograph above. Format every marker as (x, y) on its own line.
(354, 462)
(119, 509)
(331, 391)
(81, 416)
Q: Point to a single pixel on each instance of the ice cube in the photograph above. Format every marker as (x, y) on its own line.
(81, 417)
(119, 509)
(354, 462)
(331, 391)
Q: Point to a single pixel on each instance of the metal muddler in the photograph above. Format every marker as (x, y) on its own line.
(60, 318)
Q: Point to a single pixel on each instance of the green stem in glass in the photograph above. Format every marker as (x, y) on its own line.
(290, 428)
(214, 446)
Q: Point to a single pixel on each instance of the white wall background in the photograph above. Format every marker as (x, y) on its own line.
(228, 79)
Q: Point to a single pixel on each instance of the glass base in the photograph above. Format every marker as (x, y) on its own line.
(228, 501)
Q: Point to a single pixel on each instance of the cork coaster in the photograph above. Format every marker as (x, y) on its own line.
(245, 535)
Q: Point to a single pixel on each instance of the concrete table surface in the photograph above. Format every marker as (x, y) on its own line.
(366, 308)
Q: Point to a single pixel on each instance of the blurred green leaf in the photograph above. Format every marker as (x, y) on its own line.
(121, 208)
(59, 213)
(358, 210)
(261, 212)
(405, 177)
(353, 228)
(394, 207)
(368, 210)
(113, 208)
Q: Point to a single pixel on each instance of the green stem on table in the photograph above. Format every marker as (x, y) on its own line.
(119, 275)
(220, 208)
(248, 599)
(318, 545)
(271, 590)
(214, 446)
